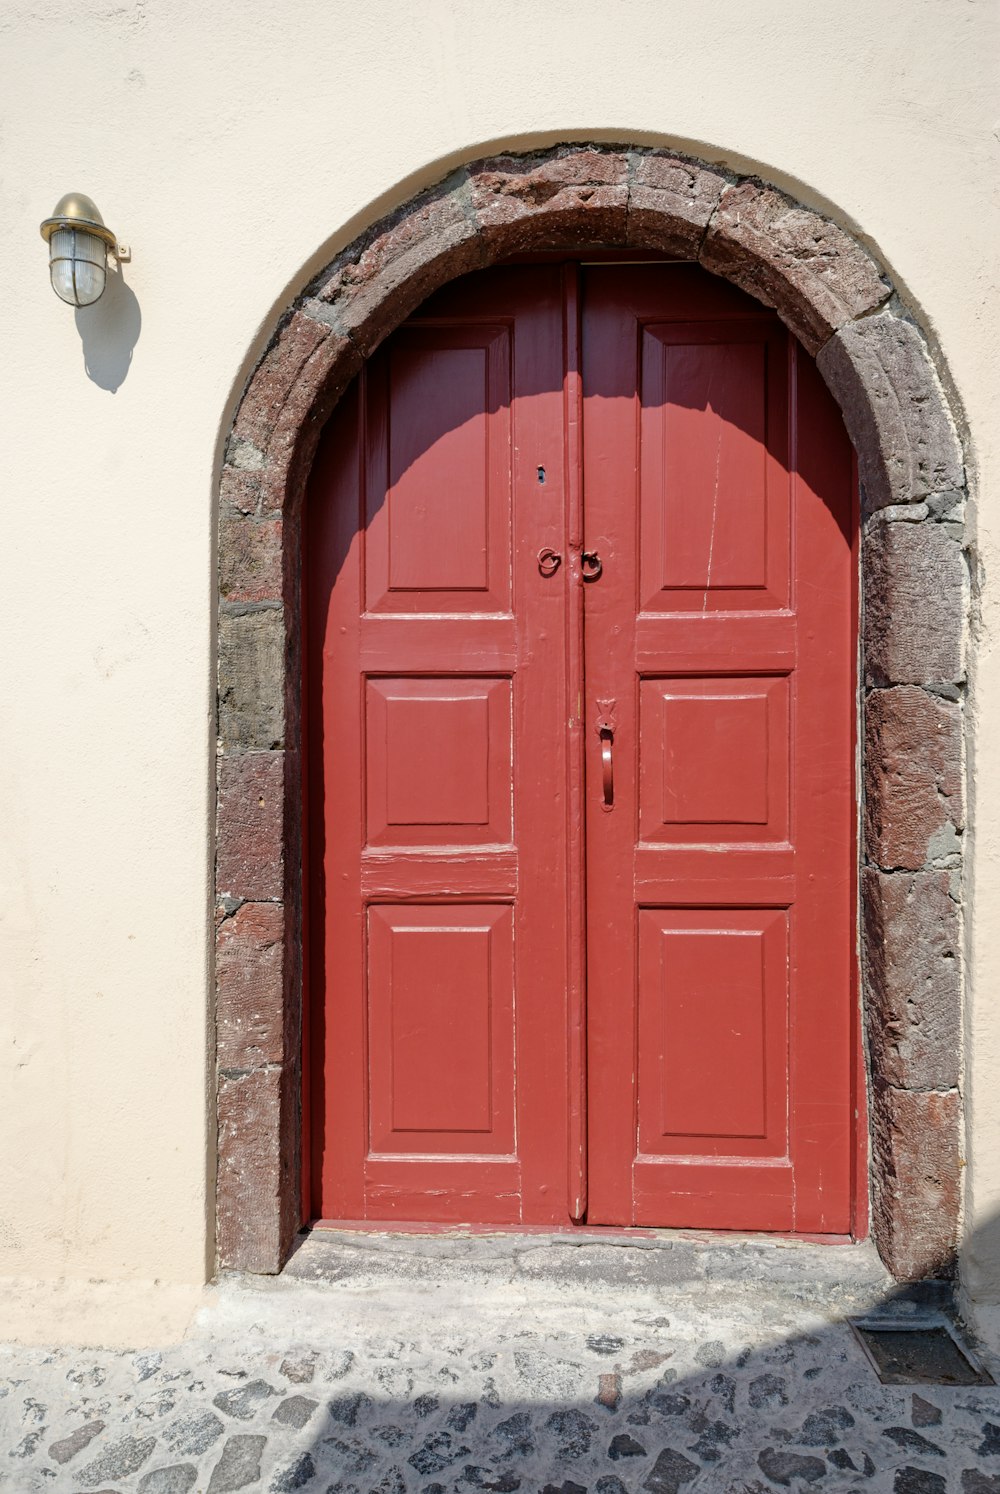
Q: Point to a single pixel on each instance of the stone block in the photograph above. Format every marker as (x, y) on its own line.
(280, 377)
(913, 812)
(239, 490)
(571, 198)
(880, 373)
(310, 401)
(670, 202)
(257, 490)
(917, 1180)
(249, 558)
(371, 288)
(915, 601)
(249, 971)
(250, 1174)
(250, 853)
(808, 269)
(252, 680)
(912, 978)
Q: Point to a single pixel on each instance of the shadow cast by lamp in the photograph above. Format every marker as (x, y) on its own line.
(109, 331)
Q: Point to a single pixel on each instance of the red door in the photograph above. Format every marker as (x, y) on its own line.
(441, 890)
(579, 807)
(718, 492)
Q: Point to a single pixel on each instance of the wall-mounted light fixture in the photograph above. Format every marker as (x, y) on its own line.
(78, 249)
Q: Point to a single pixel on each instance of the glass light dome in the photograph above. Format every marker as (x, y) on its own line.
(78, 249)
(78, 266)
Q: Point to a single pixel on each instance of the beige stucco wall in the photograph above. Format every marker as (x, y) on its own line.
(233, 146)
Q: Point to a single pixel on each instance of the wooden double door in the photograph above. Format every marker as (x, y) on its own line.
(579, 796)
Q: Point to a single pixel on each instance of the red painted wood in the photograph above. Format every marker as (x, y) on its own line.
(440, 881)
(576, 745)
(531, 1007)
(719, 885)
(861, 1184)
(577, 1231)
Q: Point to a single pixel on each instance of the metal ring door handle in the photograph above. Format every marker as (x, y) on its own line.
(591, 565)
(607, 766)
(549, 561)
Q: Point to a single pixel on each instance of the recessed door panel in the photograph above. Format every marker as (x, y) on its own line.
(714, 759)
(439, 760)
(441, 1031)
(437, 471)
(713, 1032)
(713, 489)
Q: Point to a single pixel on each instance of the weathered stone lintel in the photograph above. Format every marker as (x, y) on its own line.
(820, 281)
(806, 267)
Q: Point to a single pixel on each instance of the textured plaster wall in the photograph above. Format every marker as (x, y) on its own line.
(234, 147)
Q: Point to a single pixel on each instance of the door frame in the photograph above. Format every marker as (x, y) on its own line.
(913, 576)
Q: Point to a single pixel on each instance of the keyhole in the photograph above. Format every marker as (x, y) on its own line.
(541, 474)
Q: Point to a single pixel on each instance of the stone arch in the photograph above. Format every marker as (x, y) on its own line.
(841, 305)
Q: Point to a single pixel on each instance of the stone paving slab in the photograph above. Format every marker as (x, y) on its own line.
(502, 1370)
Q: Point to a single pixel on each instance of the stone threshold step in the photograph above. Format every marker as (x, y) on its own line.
(843, 1278)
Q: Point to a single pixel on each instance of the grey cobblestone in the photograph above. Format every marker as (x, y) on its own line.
(239, 1465)
(68, 1447)
(295, 1411)
(179, 1479)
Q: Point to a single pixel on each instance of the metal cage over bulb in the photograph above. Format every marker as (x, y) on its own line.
(78, 241)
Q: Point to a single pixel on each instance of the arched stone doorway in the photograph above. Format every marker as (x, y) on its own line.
(842, 307)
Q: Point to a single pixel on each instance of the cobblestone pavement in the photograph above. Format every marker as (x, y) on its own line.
(599, 1370)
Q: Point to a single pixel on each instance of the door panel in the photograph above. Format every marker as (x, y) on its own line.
(695, 1069)
(693, 787)
(713, 1029)
(438, 471)
(436, 715)
(712, 491)
(719, 883)
(441, 1026)
(440, 755)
